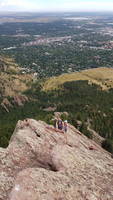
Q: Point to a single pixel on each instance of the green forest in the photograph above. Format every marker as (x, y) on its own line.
(82, 101)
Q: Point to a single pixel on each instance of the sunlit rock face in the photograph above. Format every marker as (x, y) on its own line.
(43, 163)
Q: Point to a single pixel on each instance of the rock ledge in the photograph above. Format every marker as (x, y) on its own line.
(42, 163)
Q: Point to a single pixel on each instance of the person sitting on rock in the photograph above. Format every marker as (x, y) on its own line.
(65, 126)
(60, 124)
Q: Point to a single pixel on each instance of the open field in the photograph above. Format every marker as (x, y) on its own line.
(38, 20)
(12, 80)
(100, 76)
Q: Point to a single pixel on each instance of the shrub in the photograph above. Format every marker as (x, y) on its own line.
(64, 117)
(85, 131)
(108, 145)
(3, 141)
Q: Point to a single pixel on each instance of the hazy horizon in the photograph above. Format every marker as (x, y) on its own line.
(56, 6)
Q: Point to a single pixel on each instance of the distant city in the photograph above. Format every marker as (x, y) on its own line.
(52, 44)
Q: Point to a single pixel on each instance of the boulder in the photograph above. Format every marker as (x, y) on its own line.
(43, 163)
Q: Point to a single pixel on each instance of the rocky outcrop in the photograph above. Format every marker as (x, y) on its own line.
(6, 104)
(43, 163)
(49, 109)
(18, 100)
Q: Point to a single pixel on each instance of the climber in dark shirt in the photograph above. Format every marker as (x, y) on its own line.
(60, 124)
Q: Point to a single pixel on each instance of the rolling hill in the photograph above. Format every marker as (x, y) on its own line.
(101, 76)
(12, 80)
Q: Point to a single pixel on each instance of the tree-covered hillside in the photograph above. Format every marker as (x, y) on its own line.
(85, 103)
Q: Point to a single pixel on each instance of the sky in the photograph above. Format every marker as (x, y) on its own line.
(56, 5)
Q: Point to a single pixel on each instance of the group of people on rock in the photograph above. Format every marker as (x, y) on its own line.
(61, 125)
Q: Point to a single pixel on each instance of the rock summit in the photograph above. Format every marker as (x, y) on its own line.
(43, 163)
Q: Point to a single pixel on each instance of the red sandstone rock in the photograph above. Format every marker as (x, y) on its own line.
(6, 104)
(43, 164)
(19, 100)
